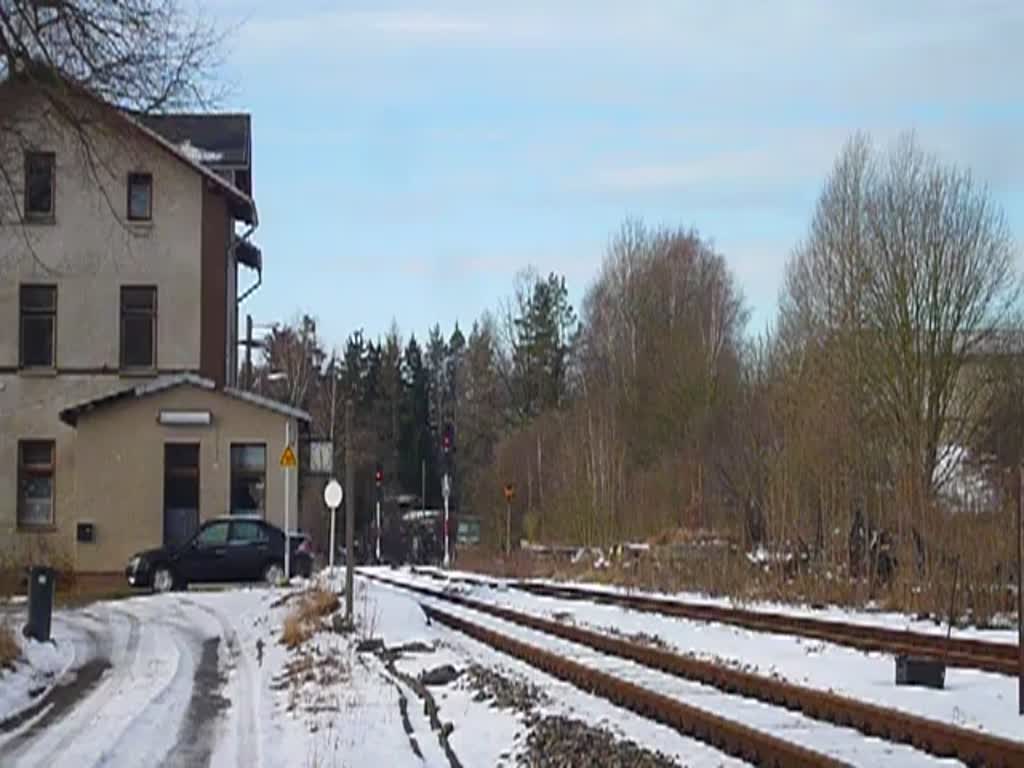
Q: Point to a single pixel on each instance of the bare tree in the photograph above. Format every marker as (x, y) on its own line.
(294, 365)
(906, 273)
(76, 56)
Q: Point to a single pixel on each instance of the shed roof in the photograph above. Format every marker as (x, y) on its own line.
(71, 414)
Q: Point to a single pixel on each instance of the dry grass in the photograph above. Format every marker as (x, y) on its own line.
(718, 567)
(10, 651)
(303, 620)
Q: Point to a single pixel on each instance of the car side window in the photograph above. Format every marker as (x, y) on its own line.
(215, 535)
(248, 532)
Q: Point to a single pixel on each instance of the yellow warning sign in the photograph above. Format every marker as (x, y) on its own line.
(288, 458)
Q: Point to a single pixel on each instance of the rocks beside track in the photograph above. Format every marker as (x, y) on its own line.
(504, 692)
(562, 742)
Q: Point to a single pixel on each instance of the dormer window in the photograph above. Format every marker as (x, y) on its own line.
(40, 188)
(140, 197)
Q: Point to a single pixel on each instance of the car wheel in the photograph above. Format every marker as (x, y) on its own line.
(273, 574)
(163, 579)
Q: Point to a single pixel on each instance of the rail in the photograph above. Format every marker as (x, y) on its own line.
(937, 738)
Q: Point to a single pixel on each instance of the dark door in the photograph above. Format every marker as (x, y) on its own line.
(206, 559)
(181, 492)
(248, 549)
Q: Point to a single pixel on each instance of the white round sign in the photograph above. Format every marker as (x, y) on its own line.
(333, 494)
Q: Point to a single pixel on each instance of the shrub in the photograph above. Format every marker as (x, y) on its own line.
(304, 619)
(10, 651)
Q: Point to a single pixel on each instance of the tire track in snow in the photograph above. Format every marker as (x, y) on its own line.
(244, 699)
(169, 704)
(81, 674)
(101, 688)
(140, 710)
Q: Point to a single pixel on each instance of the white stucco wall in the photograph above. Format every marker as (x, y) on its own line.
(89, 252)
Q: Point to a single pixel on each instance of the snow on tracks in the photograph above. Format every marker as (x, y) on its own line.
(837, 742)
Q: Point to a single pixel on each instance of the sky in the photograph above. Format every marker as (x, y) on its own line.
(411, 157)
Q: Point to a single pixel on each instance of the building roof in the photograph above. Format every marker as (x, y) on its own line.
(71, 414)
(241, 204)
(217, 139)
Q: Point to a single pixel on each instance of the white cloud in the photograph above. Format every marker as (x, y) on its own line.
(779, 156)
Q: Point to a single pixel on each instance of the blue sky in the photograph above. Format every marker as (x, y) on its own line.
(411, 157)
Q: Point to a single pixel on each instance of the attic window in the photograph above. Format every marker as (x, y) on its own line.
(39, 185)
(140, 197)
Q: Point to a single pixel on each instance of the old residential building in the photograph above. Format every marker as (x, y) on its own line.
(120, 259)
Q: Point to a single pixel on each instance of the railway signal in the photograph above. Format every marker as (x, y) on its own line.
(448, 439)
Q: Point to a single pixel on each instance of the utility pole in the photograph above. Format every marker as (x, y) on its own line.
(510, 493)
(287, 505)
(379, 482)
(350, 513)
(334, 401)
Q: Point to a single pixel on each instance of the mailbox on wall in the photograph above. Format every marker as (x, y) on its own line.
(86, 532)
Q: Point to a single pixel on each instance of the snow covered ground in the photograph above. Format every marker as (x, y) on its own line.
(887, 619)
(972, 699)
(200, 678)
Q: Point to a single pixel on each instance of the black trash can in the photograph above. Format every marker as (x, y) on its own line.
(41, 582)
(920, 670)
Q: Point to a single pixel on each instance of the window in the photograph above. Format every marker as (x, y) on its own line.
(248, 532)
(35, 482)
(38, 326)
(138, 327)
(213, 535)
(39, 185)
(140, 196)
(248, 479)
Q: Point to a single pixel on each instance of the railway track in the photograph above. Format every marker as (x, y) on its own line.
(936, 738)
(1000, 658)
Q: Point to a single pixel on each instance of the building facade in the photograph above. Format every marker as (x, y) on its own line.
(120, 257)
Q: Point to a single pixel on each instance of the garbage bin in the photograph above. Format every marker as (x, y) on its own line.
(920, 670)
(40, 603)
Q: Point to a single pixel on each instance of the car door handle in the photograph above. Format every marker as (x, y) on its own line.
(220, 551)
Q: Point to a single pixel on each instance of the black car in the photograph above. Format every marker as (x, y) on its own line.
(226, 549)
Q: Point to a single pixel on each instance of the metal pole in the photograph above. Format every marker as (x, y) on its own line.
(378, 530)
(287, 506)
(334, 519)
(334, 400)
(248, 352)
(423, 481)
(447, 562)
(1020, 592)
(350, 511)
(508, 527)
